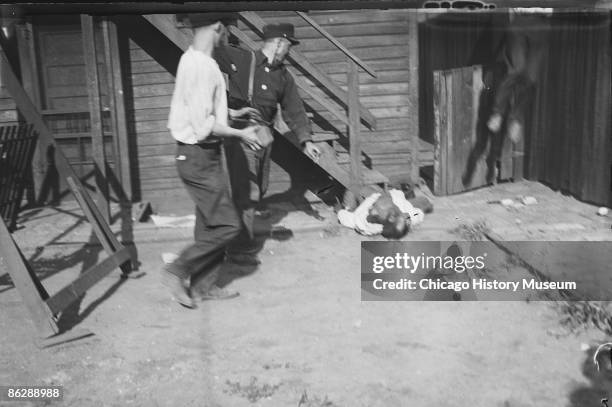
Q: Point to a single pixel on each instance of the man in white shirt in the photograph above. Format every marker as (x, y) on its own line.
(198, 121)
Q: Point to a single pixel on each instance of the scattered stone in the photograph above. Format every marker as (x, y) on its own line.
(529, 200)
(603, 211)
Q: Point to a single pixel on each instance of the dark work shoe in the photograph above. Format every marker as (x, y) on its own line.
(217, 293)
(243, 259)
(178, 290)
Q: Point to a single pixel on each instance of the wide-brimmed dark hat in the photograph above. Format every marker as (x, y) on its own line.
(280, 30)
(195, 20)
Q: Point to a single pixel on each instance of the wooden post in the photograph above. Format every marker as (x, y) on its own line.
(354, 124)
(11, 262)
(413, 94)
(95, 108)
(29, 79)
(117, 106)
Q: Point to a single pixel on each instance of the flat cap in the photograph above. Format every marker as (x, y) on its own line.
(280, 30)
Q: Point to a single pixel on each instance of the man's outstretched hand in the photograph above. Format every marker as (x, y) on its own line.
(249, 137)
(312, 151)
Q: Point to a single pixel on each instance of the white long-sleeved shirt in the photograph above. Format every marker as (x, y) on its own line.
(358, 218)
(199, 98)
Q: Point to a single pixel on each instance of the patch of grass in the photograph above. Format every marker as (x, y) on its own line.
(315, 401)
(581, 315)
(472, 232)
(253, 391)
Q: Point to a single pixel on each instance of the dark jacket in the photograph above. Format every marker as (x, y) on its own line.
(273, 85)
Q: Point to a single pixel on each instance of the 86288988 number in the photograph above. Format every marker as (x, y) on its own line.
(9, 393)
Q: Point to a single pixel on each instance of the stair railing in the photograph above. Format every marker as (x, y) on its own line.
(354, 119)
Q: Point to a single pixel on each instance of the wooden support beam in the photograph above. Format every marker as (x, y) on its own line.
(257, 23)
(337, 43)
(95, 112)
(166, 25)
(103, 232)
(11, 262)
(117, 106)
(27, 61)
(29, 79)
(354, 126)
(413, 94)
(67, 295)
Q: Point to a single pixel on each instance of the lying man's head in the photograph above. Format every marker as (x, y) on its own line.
(385, 212)
(379, 212)
(396, 225)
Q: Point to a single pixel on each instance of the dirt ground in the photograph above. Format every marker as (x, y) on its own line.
(299, 334)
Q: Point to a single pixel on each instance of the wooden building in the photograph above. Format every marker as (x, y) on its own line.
(52, 67)
(137, 57)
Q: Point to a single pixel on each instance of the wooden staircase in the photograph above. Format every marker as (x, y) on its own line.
(347, 167)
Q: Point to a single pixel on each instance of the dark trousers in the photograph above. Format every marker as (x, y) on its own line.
(217, 222)
(249, 177)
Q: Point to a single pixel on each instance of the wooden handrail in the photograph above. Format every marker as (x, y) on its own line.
(354, 125)
(337, 43)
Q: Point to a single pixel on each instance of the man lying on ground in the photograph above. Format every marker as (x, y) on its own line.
(390, 213)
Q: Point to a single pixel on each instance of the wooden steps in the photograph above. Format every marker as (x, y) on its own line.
(341, 171)
(329, 158)
(324, 136)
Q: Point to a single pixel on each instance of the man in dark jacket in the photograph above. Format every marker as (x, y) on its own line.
(257, 100)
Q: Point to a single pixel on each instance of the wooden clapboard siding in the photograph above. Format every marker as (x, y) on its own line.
(377, 37)
(571, 144)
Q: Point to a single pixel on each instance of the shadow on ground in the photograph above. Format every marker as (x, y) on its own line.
(599, 386)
